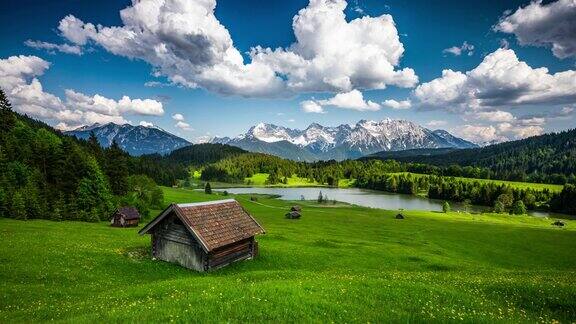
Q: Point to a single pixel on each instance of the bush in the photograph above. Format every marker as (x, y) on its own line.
(446, 207)
(499, 207)
(208, 189)
(518, 208)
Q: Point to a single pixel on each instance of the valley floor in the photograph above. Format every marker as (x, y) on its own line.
(341, 264)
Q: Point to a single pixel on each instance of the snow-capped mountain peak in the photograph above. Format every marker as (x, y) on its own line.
(136, 140)
(343, 141)
(270, 133)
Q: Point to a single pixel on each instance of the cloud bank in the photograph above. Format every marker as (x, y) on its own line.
(19, 79)
(184, 42)
(550, 25)
(500, 80)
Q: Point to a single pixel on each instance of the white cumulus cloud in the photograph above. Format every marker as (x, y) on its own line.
(459, 50)
(184, 126)
(495, 116)
(311, 106)
(500, 80)
(552, 25)
(185, 42)
(19, 79)
(353, 100)
(480, 134)
(178, 117)
(350, 100)
(403, 104)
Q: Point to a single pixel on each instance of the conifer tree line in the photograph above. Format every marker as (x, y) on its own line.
(47, 175)
(547, 158)
(393, 176)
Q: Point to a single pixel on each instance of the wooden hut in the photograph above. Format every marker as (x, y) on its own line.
(293, 215)
(125, 217)
(204, 236)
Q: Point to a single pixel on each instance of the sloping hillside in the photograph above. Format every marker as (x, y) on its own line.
(553, 153)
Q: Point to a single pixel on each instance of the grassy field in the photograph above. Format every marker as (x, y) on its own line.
(513, 184)
(340, 264)
(259, 180)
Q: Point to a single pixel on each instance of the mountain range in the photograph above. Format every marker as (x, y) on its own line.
(136, 140)
(318, 142)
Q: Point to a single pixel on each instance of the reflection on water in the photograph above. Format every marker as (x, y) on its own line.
(363, 197)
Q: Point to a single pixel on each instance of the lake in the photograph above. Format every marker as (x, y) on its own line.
(367, 198)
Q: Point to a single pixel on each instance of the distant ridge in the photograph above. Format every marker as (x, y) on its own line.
(318, 142)
(136, 140)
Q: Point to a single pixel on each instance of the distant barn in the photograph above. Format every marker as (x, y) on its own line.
(204, 236)
(125, 217)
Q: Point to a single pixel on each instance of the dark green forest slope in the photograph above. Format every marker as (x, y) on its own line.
(547, 158)
(45, 174)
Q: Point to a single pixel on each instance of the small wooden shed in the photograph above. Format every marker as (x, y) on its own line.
(204, 236)
(125, 217)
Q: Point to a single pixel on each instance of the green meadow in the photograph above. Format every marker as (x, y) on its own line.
(259, 179)
(338, 263)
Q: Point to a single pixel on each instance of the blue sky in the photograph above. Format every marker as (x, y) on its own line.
(425, 28)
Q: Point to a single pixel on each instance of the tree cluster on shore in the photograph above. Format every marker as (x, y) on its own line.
(395, 177)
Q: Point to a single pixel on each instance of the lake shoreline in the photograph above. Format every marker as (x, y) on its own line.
(371, 199)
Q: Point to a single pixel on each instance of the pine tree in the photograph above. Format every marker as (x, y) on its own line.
(95, 148)
(18, 206)
(446, 207)
(208, 189)
(86, 195)
(7, 119)
(272, 177)
(320, 197)
(33, 208)
(116, 168)
(518, 208)
(71, 210)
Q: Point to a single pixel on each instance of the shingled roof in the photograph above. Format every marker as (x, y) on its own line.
(214, 223)
(129, 212)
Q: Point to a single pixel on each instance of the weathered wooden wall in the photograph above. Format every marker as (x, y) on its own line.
(119, 221)
(240, 250)
(172, 242)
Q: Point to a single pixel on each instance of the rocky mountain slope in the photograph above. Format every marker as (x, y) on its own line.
(318, 142)
(136, 140)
